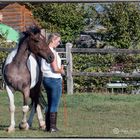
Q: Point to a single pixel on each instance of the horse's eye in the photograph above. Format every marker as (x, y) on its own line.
(36, 40)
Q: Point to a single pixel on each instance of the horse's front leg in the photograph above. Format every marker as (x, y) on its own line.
(11, 128)
(34, 94)
(24, 125)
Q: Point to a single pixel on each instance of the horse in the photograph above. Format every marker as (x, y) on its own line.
(21, 72)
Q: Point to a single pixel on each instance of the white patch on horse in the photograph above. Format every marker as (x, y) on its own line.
(10, 56)
(12, 109)
(34, 70)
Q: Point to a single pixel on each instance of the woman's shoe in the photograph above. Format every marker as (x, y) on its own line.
(53, 120)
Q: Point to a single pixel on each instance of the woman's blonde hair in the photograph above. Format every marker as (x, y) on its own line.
(51, 37)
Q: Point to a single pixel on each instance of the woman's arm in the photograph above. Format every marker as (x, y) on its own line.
(55, 67)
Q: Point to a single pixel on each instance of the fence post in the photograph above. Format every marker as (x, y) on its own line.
(69, 68)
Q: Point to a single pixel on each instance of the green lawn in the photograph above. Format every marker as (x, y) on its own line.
(88, 115)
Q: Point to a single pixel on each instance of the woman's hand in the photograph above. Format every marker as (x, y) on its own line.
(62, 70)
(56, 69)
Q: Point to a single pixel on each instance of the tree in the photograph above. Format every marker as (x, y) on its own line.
(65, 18)
(122, 20)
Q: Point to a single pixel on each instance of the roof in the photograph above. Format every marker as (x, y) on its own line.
(17, 15)
(4, 4)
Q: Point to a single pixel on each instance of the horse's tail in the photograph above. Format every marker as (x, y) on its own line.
(42, 101)
(37, 97)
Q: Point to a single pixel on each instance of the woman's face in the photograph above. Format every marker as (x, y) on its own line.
(56, 41)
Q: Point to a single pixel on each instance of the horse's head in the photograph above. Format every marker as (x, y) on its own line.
(37, 44)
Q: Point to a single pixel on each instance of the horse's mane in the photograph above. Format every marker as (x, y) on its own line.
(31, 30)
(23, 36)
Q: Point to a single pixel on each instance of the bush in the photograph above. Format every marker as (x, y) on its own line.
(102, 63)
(3, 54)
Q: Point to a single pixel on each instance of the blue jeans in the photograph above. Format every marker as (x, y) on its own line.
(53, 87)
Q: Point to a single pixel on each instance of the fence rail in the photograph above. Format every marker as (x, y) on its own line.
(107, 74)
(90, 50)
(6, 49)
(104, 51)
(68, 51)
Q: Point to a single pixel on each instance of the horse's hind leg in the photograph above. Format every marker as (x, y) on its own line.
(34, 94)
(12, 109)
(40, 117)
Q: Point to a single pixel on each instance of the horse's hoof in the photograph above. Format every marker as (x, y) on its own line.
(24, 126)
(42, 125)
(10, 129)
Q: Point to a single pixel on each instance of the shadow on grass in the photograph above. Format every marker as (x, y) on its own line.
(4, 127)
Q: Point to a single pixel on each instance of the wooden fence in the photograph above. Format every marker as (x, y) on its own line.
(70, 73)
(67, 57)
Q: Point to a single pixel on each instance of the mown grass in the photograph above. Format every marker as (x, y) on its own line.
(85, 115)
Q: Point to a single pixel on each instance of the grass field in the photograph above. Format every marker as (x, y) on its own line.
(88, 115)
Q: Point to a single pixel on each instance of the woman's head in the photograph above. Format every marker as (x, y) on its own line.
(54, 40)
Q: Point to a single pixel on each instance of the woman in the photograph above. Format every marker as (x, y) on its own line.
(52, 81)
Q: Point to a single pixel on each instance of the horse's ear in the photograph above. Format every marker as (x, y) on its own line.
(27, 31)
(27, 28)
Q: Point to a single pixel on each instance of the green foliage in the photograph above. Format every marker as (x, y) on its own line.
(3, 54)
(5, 44)
(122, 21)
(102, 63)
(90, 63)
(65, 18)
(123, 31)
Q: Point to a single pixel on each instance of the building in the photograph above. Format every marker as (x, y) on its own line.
(17, 15)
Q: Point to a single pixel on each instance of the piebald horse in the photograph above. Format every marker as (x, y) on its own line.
(21, 72)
